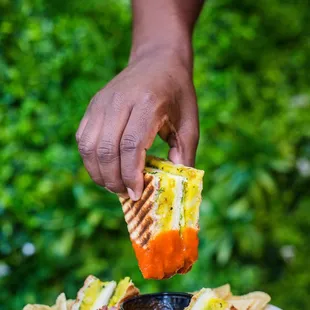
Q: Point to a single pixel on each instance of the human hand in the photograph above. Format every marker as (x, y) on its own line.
(154, 94)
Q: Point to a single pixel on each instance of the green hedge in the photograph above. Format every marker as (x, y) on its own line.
(252, 78)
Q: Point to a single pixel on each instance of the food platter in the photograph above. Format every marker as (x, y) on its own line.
(124, 295)
(163, 227)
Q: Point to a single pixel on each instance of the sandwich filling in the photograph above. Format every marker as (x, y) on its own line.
(94, 294)
(120, 291)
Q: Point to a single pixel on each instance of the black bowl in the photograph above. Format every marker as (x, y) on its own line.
(158, 301)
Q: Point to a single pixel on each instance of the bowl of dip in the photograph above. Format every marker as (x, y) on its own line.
(158, 301)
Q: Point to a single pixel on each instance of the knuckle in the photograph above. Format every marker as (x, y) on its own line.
(129, 143)
(95, 98)
(77, 137)
(95, 104)
(149, 98)
(106, 152)
(86, 148)
(150, 104)
(118, 101)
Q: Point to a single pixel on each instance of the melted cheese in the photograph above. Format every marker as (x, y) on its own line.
(192, 187)
(208, 300)
(104, 296)
(97, 295)
(120, 291)
(169, 194)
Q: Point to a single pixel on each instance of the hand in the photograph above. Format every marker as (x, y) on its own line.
(154, 94)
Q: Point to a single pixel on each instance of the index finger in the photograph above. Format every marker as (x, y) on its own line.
(138, 136)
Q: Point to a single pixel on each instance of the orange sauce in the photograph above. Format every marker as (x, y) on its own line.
(190, 247)
(163, 257)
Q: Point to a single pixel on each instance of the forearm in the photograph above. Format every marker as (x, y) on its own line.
(165, 25)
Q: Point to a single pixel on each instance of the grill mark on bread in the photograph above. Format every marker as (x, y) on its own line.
(138, 213)
(147, 179)
(144, 211)
(124, 200)
(146, 239)
(138, 205)
(145, 233)
(129, 205)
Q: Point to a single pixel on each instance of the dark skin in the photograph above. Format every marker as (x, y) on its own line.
(153, 95)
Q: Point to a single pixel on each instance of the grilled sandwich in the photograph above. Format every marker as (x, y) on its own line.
(221, 298)
(163, 224)
(207, 299)
(95, 294)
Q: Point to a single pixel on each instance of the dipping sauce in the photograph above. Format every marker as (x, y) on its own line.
(159, 301)
(163, 256)
(190, 246)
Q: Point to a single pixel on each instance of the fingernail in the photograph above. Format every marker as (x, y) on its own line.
(132, 194)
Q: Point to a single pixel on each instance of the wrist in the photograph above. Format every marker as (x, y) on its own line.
(179, 48)
(164, 27)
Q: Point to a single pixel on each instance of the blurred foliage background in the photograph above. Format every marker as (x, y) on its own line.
(252, 64)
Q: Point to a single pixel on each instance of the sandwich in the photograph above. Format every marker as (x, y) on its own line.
(94, 295)
(163, 224)
(207, 299)
(221, 298)
(98, 295)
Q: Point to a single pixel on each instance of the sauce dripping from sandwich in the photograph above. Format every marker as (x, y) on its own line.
(190, 247)
(168, 254)
(163, 256)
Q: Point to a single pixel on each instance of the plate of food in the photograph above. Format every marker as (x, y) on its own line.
(124, 295)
